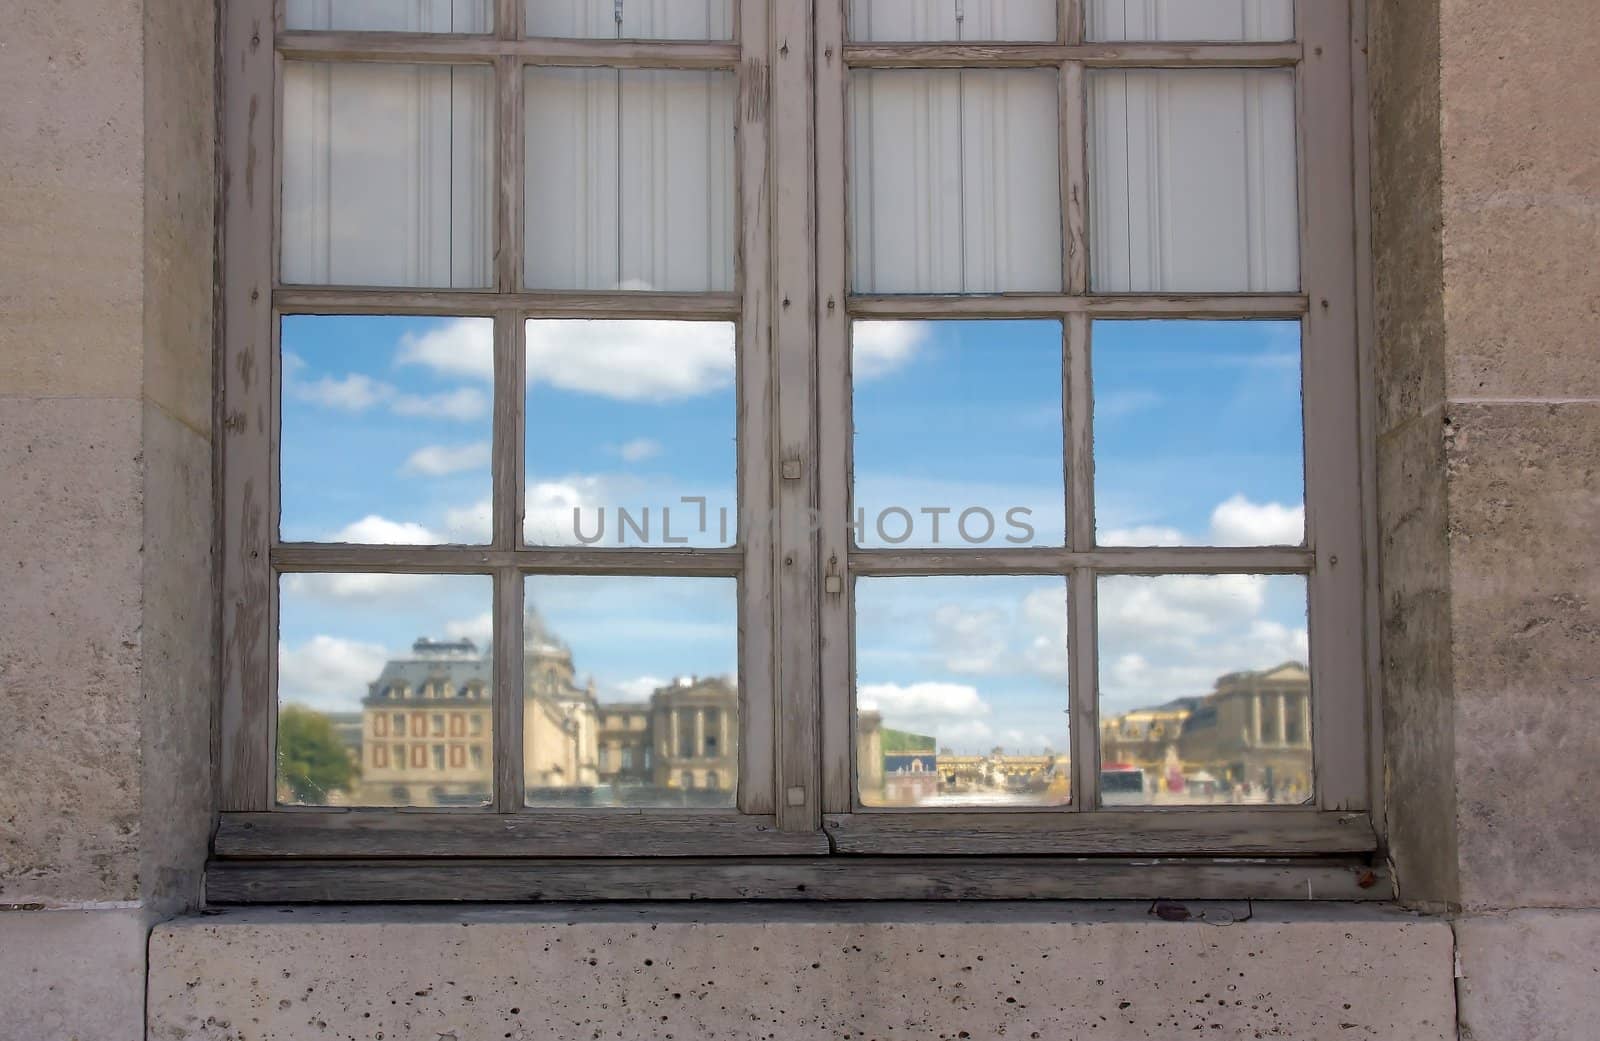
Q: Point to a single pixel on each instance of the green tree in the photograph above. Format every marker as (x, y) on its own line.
(312, 761)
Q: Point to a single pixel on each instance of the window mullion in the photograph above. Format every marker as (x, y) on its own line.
(834, 440)
(1333, 459)
(794, 327)
(757, 769)
(249, 522)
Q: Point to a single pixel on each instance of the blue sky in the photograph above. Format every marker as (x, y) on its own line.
(385, 437)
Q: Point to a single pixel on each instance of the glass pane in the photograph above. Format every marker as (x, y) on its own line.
(958, 434)
(384, 690)
(1193, 183)
(386, 429)
(394, 16)
(911, 20)
(961, 692)
(645, 669)
(1205, 696)
(1198, 435)
(388, 174)
(632, 19)
(1225, 20)
(630, 179)
(630, 428)
(955, 181)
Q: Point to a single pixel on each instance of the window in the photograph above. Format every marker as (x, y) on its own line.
(944, 442)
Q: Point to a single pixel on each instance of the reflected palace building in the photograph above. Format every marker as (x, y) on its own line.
(1248, 740)
(427, 725)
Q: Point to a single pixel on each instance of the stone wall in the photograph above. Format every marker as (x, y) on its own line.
(107, 198)
(1487, 216)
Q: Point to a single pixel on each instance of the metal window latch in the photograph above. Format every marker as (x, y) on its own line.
(796, 797)
(616, 11)
(792, 469)
(833, 582)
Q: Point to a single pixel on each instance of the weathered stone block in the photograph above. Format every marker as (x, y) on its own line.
(1525, 601)
(984, 971)
(1529, 976)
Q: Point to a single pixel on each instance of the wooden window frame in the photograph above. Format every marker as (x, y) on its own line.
(796, 832)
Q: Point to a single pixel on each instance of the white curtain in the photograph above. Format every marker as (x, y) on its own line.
(641, 19)
(388, 174)
(955, 181)
(1193, 181)
(1227, 20)
(912, 20)
(630, 179)
(395, 16)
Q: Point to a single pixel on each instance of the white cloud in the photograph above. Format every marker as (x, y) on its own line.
(1173, 637)
(622, 359)
(1122, 403)
(462, 404)
(1240, 522)
(471, 525)
(970, 641)
(355, 586)
(879, 348)
(1142, 535)
(955, 700)
(953, 713)
(328, 673)
(1045, 612)
(1175, 608)
(441, 460)
(461, 347)
(374, 530)
(639, 688)
(639, 449)
(351, 393)
(632, 360)
(480, 629)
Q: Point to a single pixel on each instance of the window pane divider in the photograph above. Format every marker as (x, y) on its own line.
(508, 683)
(1192, 560)
(487, 302)
(1082, 644)
(1093, 55)
(1050, 305)
(431, 48)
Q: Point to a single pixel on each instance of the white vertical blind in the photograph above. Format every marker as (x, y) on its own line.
(630, 179)
(395, 16)
(955, 181)
(641, 19)
(1193, 181)
(913, 20)
(387, 174)
(1224, 20)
